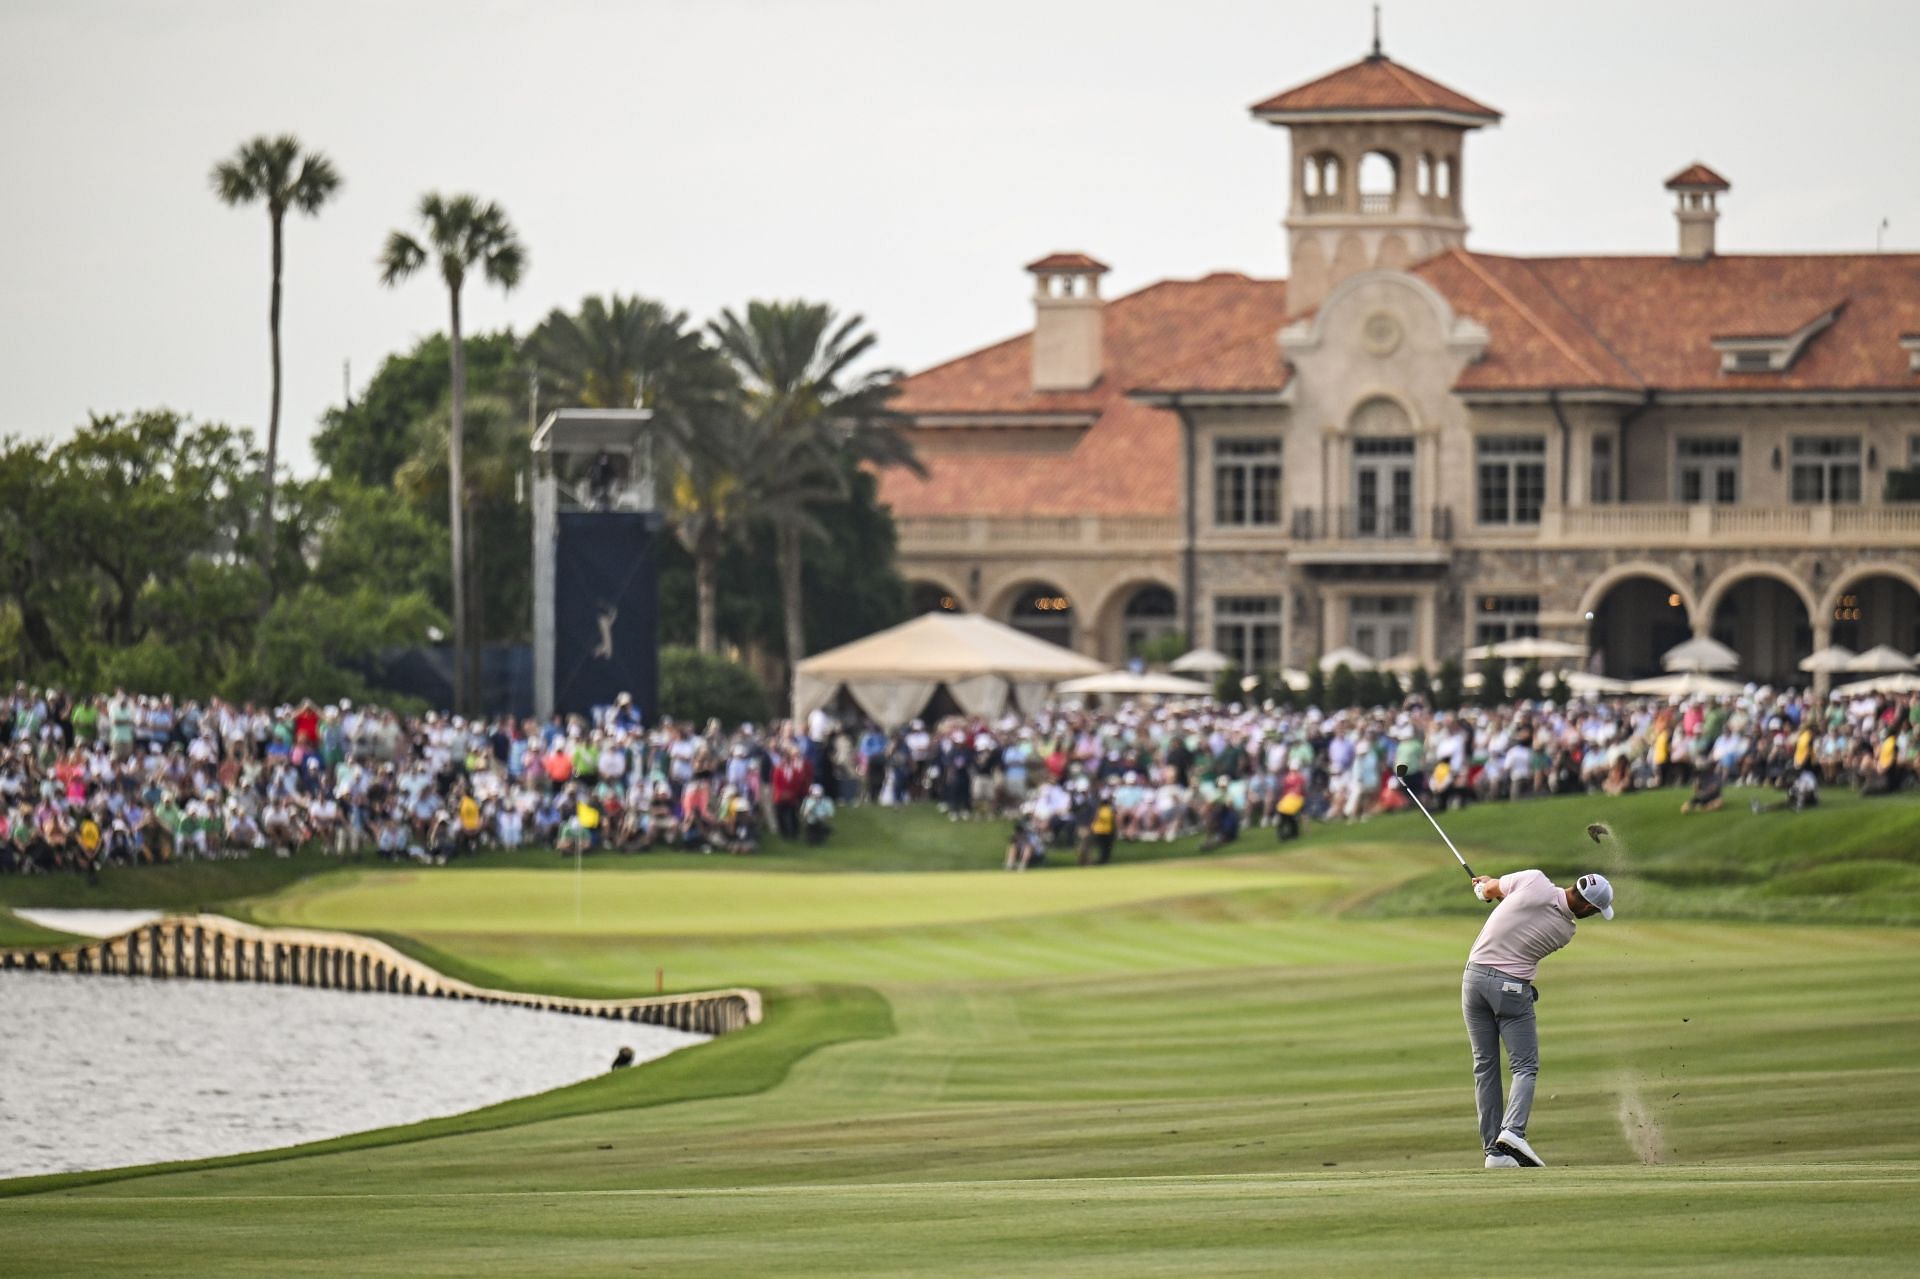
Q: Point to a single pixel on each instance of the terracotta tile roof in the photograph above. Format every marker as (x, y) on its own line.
(1535, 339)
(1069, 262)
(1611, 323)
(1128, 461)
(1160, 326)
(1698, 175)
(1375, 83)
(1661, 314)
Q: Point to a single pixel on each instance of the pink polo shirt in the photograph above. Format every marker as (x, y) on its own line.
(1530, 922)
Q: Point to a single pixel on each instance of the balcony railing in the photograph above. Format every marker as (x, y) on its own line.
(1656, 524)
(1373, 524)
(934, 534)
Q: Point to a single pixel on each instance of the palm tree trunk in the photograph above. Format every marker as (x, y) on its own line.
(456, 514)
(792, 610)
(273, 413)
(706, 596)
(476, 610)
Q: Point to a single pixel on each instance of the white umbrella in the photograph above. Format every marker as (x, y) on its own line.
(1535, 647)
(1585, 682)
(1202, 661)
(1834, 657)
(1126, 683)
(1687, 684)
(1478, 653)
(1351, 658)
(1881, 659)
(1700, 654)
(1295, 680)
(1402, 664)
(1899, 682)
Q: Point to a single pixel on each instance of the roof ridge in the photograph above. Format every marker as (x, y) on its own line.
(1506, 295)
(1580, 319)
(1407, 81)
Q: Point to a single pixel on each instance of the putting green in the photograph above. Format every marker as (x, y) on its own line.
(684, 903)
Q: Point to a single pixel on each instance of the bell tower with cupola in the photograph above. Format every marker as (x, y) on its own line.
(1376, 180)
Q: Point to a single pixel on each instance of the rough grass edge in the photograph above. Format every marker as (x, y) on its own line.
(799, 1021)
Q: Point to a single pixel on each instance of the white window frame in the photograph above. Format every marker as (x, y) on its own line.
(1247, 466)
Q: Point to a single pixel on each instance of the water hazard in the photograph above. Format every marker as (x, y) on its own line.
(100, 1072)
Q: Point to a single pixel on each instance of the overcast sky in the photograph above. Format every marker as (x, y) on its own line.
(900, 158)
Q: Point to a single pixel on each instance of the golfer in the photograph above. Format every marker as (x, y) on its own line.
(1534, 918)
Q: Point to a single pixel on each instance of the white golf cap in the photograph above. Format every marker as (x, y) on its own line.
(1598, 892)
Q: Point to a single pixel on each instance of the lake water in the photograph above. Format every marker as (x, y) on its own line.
(101, 1072)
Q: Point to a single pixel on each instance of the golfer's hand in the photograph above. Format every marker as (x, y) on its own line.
(1486, 888)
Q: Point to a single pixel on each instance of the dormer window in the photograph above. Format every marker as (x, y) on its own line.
(1771, 346)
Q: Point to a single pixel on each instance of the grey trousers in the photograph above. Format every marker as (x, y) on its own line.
(1499, 1008)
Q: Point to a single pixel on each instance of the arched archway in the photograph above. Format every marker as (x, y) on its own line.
(1133, 614)
(1042, 610)
(1764, 617)
(1875, 604)
(1378, 179)
(1711, 599)
(1632, 619)
(927, 596)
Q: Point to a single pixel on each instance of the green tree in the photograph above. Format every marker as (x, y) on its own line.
(1316, 691)
(366, 440)
(797, 362)
(31, 550)
(500, 530)
(283, 175)
(1342, 688)
(1527, 687)
(700, 686)
(1446, 686)
(138, 497)
(464, 235)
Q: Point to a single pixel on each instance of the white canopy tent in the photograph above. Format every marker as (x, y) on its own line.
(1700, 653)
(985, 665)
(1881, 659)
(1129, 684)
(1897, 682)
(1351, 658)
(1536, 648)
(1201, 661)
(1688, 684)
(1834, 657)
(1585, 682)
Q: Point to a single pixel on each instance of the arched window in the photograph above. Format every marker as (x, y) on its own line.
(1320, 182)
(1379, 181)
(931, 597)
(1444, 179)
(1423, 175)
(1149, 614)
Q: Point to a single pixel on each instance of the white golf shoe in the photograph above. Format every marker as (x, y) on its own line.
(1502, 1161)
(1514, 1144)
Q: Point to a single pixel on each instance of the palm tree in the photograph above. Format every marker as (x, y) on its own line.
(726, 472)
(795, 361)
(463, 234)
(622, 351)
(285, 176)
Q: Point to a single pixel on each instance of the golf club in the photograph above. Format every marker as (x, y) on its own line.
(1400, 773)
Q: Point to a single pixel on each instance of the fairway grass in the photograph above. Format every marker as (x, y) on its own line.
(1226, 1067)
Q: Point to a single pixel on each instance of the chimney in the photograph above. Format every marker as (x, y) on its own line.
(1698, 188)
(1068, 327)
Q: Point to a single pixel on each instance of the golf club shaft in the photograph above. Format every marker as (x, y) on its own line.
(1436, 825)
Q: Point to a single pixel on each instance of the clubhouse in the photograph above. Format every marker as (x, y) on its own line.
(1411, 447)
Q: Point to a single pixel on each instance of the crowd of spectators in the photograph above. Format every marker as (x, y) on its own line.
(119, 779)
